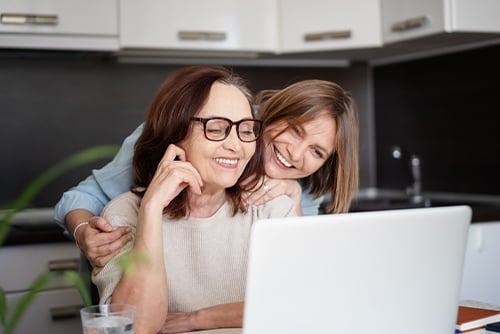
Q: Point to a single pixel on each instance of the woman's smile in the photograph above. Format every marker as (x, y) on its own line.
(227, 162)
(281, 158)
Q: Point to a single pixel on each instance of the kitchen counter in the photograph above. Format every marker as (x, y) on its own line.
(34, 226)
(485, 208)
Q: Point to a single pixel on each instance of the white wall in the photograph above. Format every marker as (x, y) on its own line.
(481, 278)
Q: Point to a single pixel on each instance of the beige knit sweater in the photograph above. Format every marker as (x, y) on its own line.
(205, 258)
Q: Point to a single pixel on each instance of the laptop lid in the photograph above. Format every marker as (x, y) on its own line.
(381, 272)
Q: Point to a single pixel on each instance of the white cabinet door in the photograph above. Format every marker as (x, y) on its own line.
(55, 309)
(25, 263)
(52, 311)
(474, 16)
(316, 25)
(60, 24)
(408, 19)
(198, 25)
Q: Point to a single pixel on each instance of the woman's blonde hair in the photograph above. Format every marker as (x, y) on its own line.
(302, 102)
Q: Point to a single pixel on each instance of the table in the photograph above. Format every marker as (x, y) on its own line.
(220, 331)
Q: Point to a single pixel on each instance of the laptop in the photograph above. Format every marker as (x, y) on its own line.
(379, 272)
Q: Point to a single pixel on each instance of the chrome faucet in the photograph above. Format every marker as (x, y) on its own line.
(415, 189)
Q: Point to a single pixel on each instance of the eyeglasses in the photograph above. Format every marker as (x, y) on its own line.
(218, 128)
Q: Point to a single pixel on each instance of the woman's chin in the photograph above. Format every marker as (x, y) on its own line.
(275, 172)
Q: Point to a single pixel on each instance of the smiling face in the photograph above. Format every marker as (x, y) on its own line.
(220, 163)
(300, 151)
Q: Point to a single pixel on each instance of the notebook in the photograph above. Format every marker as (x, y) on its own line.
(380, 272)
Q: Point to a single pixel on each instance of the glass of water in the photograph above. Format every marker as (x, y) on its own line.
(108, 319)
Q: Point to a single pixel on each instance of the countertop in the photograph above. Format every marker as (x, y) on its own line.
(34, 226)
(37, 225)
(485, 208)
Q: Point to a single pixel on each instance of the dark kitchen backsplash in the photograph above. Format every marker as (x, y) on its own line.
(53, 104)
(446, 110)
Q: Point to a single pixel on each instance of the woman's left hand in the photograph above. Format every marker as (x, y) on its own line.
(213, 317)
(272, 188)
(178, 322)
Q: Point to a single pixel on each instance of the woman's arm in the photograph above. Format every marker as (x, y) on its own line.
(218, 316)
(93, 193)
(83, 203)
(145, 286)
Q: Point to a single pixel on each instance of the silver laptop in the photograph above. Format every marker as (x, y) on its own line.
(384, 272)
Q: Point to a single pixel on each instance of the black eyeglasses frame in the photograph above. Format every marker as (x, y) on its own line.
(204, 121)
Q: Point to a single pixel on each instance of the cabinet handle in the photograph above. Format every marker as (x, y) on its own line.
(320, 36)
(201, 35)
(65, 264)
(409, 24)
(35, 19)
(65, 312)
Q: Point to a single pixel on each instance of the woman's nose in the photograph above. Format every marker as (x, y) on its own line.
(232, 140)
(296, 151)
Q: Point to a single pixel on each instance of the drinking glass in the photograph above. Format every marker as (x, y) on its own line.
(108, 319)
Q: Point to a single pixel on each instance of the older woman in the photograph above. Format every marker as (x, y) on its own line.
(198, 153)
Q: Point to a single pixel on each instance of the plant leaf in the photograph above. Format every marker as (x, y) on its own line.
(3, 307)
(130, 260)
(22, 201)
(77, 281)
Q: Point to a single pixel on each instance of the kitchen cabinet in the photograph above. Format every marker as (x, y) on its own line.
(59, 24)
(408, 19)
(317, 25)
(56, 308)
(276, 26)
(251, 29)
(226, 25)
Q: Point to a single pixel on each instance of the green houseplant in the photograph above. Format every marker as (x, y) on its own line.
(10, 318)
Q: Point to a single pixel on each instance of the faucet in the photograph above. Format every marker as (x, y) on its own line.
(415, 189)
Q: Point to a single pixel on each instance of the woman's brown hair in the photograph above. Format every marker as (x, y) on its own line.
(168, 121)
(302, 102)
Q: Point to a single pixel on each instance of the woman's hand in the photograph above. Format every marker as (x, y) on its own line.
(271, 188)
(178, 322)
(99, 242)
(97, 239)
(173, 174)
(218, 316)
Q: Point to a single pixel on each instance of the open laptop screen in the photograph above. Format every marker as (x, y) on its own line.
(384, 272)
